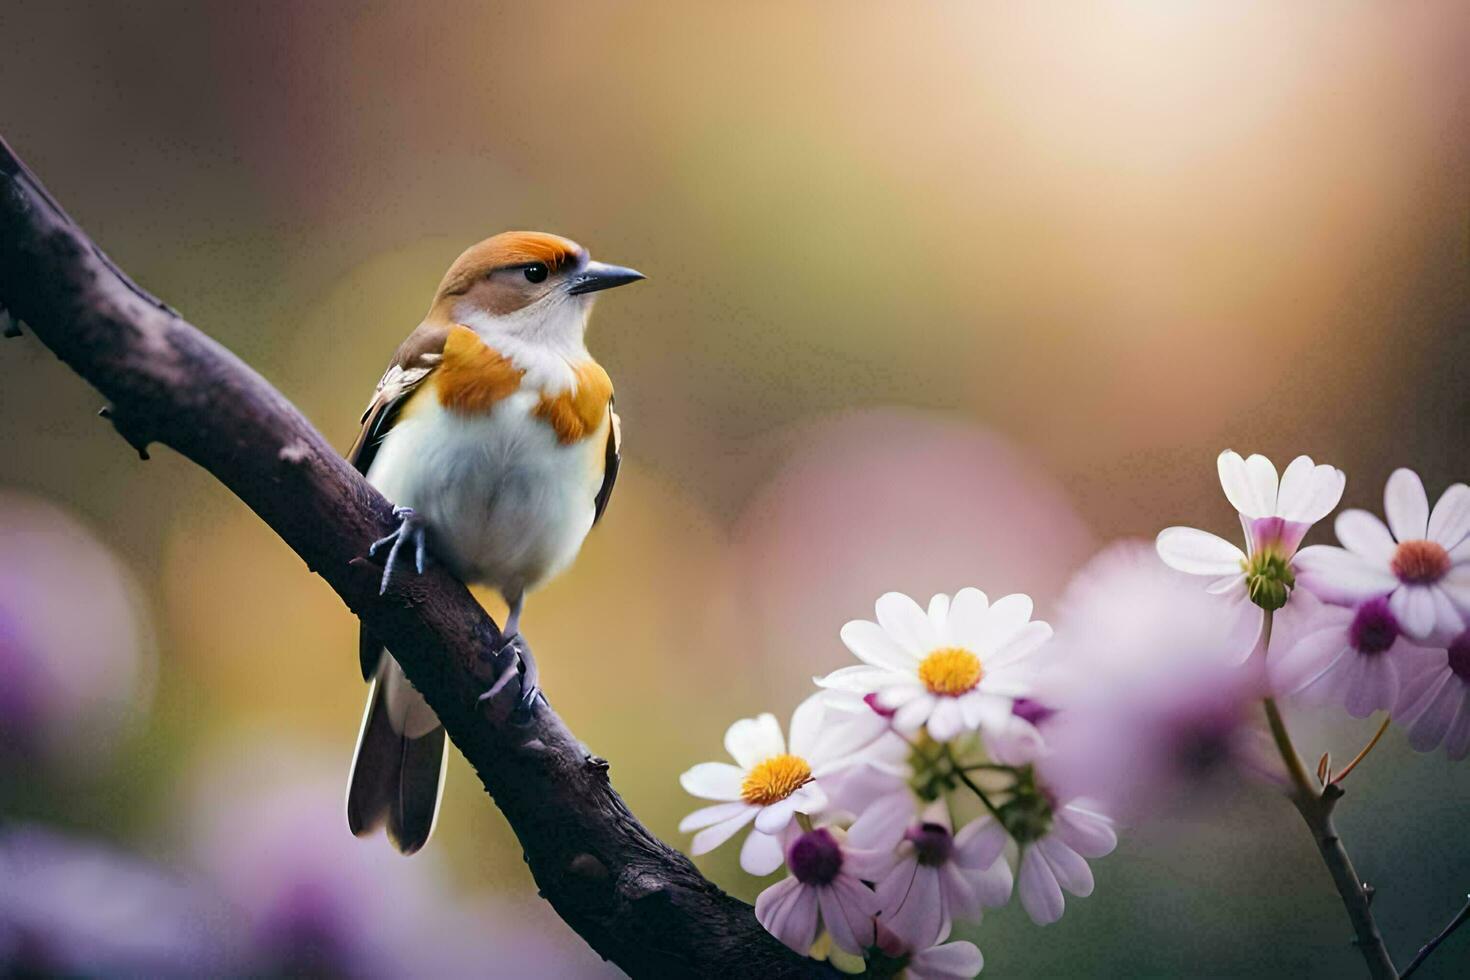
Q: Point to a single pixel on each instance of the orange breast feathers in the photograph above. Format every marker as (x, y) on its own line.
(472, 377)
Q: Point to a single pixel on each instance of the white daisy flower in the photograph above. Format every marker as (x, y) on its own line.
(821, 885)
(1420, 560)
(1434, 705)
(769, 784)
(957, 667)
(1275, 515)
(926, 875)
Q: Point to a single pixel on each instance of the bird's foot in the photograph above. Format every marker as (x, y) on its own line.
(524, 664)
(412, 529)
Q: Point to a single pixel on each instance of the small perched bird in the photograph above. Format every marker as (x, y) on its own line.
(493, 433)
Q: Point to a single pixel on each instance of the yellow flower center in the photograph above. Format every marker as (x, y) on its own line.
(775, 779)
(950, 671)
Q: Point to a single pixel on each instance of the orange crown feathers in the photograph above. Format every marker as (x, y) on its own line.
(508, 249)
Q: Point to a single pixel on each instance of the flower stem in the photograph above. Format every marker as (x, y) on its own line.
(1363, 754)
(1316, 811)
(964, 777)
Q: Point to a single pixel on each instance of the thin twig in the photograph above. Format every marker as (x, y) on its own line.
(1363, 754)
(1316, 811)
(1433, 944)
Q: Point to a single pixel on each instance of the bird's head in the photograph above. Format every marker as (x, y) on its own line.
(527, 284)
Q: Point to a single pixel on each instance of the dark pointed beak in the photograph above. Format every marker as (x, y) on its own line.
(597, 276)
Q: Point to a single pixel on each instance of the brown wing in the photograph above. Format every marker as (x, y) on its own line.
(611, 461)
(415, 360)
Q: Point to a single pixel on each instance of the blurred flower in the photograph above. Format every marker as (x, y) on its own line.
(1127, 616)
(1435, 704)
(74, 655)
(1420, 560)
(927, 876)
(1351, 657)
(959, 667)
(820, 882)
(268, 827)
(769, 784)
(883, 499)
(70, 907)
(1275, 517)
(1154, 709)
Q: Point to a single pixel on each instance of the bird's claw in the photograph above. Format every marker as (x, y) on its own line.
(412, 528)
(524, 664)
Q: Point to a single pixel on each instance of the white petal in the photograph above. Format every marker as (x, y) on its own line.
(1226, 584)
(902, 619)
(967, 614)
(882, 824)
(871, 644)
(979, 844)
(1241, 489)
(1198, 552)
(1413, 607)
(710, 815)
(913, 906)
(1071, 870)
(858, 679)
(848, 908)
(753, 740)
(712, 837)
(806, 725)
(1309, 493)
(1338, 575)
(1377, 686)
(947, 720)
(1086, 832)
(761, 854)
(914, 713)
(1022, 644)
(1407, 505)
(713, 781)
(1437, 712)
(1365, 535)
(788, 911)
(1041, 896)
(952, 961)
(1450, 522)
(1457, 739)
(773, 819)
(1008, 615)
(939, 611)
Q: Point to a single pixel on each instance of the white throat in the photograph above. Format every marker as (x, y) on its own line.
(545, 339)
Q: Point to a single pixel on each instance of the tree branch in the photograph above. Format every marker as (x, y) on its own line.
(636, 901)
(1460, 919)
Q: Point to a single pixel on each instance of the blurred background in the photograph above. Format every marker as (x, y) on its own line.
(937, 297)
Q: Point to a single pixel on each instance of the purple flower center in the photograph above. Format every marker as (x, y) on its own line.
(815, 857)
(1460, 656)
(1374, 627)
(932, 842)
(1031, 711)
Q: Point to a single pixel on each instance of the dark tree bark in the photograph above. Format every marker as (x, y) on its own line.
(636, 901)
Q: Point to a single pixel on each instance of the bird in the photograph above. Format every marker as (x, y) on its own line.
(494, 434)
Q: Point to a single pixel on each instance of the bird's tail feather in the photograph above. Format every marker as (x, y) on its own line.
(398, 770)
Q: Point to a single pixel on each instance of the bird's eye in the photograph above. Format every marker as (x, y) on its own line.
(536, 272)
